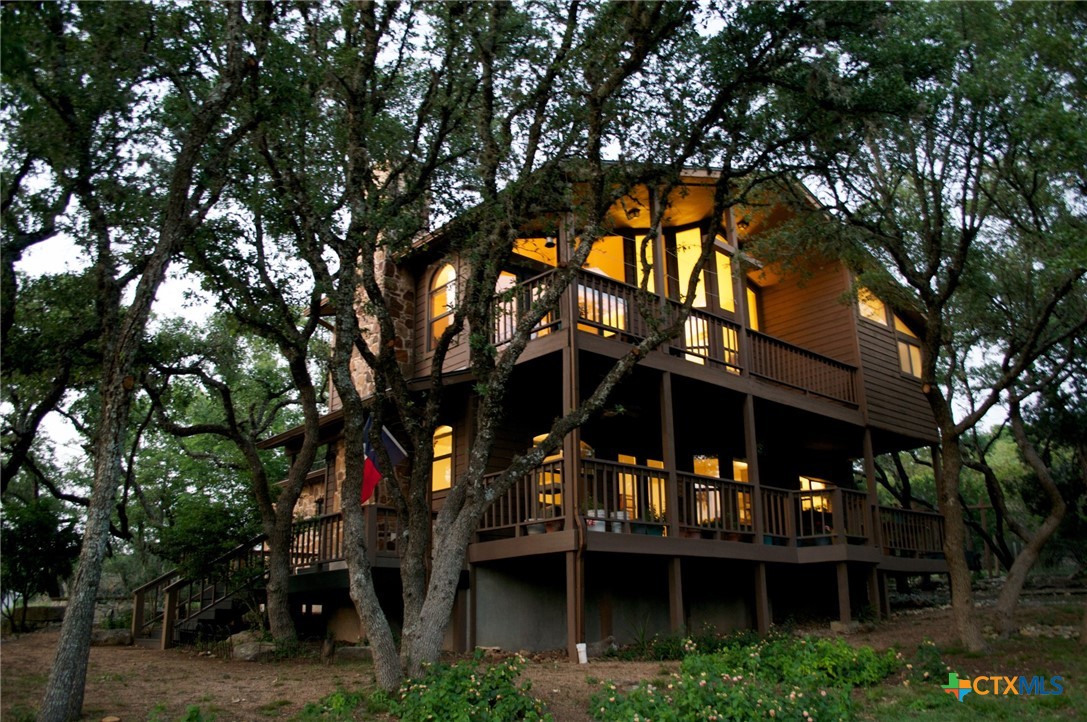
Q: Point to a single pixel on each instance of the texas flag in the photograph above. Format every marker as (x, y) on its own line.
(371, 475)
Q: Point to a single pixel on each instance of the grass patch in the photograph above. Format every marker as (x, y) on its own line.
(270, 709)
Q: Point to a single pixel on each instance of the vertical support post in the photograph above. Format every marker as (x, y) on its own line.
(739, 291)
(138, 601)
(875, 536)
(845, 614)
(762, 599)
(371, 532)
(837, 515)
(575, 603)
(668, 444)
(473, 606)
(676, 617)
(874, 599)
(460, 620)
(169, 617)
(884, 596)
(751, 448)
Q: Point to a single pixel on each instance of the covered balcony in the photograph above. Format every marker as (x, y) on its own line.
(610, 309)
(636, 500)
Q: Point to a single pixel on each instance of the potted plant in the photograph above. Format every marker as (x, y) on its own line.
(654, 526)
(596, 518)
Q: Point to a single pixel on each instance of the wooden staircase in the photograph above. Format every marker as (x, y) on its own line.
(173, 609)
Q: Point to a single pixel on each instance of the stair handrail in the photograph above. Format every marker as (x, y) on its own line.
(167, 586)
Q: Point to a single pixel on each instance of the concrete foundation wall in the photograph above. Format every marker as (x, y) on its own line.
(521, 605)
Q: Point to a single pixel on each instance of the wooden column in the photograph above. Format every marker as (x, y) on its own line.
(676, 617)
(473, 603)
(668, 447)
(169, 617)
(874, 599)
(751, 448)
(884, 596)
(575, 602)
(762, 599)
(739, 292)
(845, 614)
(875, 536)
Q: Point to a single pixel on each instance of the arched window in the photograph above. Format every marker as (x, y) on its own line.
(441, 470)
(443, 297)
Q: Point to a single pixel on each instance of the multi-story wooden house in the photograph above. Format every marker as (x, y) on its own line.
(719, 488)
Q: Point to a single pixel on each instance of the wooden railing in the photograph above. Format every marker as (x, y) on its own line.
(532, 505)
(516, 302)
(714, 508)
(905, 531)
(317, 541)
(778, 518)
(610, 308)
(148, 602)
(623, 497)
(171, 599)
(801, 369)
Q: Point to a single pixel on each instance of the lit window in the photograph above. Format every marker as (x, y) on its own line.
(753, 307)
(538, 249)
(816, 499)
(909, 349)
(725, 295)
(909, 358)
(443, 297)
(871, 307)
(441, 470)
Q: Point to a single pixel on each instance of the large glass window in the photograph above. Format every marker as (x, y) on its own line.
(688, 249)
(441, 469)
(443, 297)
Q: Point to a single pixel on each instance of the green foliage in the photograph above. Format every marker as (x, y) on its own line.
(339, 705)
(927, 665)
(781, 678)
(192, 714)
(203, 529)
(470, 692)
(664, 647)
(40, 546)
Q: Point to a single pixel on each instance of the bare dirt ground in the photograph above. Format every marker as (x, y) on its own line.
(136, 684)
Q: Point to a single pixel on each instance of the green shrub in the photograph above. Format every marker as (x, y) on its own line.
(339, 705)
(469, 692)
(926, 663)
(780, 678)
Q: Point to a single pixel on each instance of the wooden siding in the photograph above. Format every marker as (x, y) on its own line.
(895, 402)
(809, 312)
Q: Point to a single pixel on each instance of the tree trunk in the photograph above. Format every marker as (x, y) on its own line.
(425, 644)
(1024, 562)
(962, 595)
(1083, 628)
(280, 622)
(361, 586)
(63, 698)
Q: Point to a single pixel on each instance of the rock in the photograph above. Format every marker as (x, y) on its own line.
(845, 627)
(246, 637)
(354, 654)
(111, 719)
(254, 651)
(604, 646)
(111, 638)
